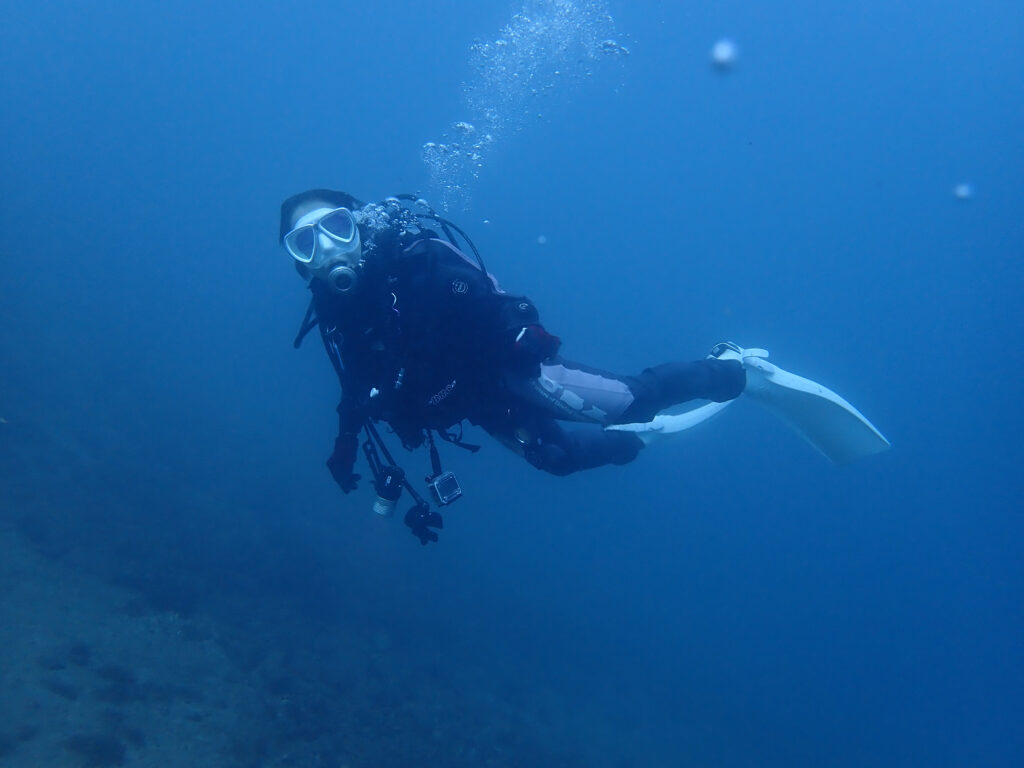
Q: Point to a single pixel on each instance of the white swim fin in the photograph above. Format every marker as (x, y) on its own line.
(666, 425)
(823, 418)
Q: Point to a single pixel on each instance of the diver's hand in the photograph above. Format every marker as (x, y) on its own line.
(532, 345)
(535, 342)
(340, 463)
(420, 519)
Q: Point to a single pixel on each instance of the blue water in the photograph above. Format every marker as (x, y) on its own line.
(730, 599)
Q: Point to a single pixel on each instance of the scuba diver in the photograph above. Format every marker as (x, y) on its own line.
(422, 338)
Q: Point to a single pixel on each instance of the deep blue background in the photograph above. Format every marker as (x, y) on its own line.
(731, 598)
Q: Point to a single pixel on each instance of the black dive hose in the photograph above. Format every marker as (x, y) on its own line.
(445, 224)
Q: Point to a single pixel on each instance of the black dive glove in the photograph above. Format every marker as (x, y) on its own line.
(420, 519)
(342, 460)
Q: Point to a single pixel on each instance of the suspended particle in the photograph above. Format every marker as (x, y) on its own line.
(724, 54)
(963, 191)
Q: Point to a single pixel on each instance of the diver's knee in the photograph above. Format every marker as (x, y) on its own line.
(561, 460)
(552, 459)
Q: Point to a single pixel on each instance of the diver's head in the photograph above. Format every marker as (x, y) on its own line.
(320, 232)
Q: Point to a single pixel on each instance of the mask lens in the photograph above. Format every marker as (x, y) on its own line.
(300, 243)
(339, 225)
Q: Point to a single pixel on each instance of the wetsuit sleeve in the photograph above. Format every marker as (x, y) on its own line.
(351, 410)
(342, 460)
(351, 415)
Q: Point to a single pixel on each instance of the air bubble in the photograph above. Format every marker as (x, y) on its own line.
(963, 191)
(614, 48)
(724, 54)
(546, 44)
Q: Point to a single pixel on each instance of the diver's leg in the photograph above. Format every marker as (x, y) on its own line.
(821, 416)
(662, 386)
(560, 448)
(574, 392)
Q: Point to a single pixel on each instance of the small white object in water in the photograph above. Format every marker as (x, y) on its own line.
(724, 54)
(542, 240)
(614, 48)
(963, 191)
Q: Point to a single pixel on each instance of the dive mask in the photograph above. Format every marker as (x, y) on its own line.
(326, 242)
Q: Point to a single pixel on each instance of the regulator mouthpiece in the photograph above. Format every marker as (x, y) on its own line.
(342, 279)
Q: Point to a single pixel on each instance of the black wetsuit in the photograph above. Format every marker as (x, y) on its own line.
(428, 340)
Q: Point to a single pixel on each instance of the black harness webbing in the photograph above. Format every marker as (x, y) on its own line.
(309, 322)
(454, 439)
(447, 226)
